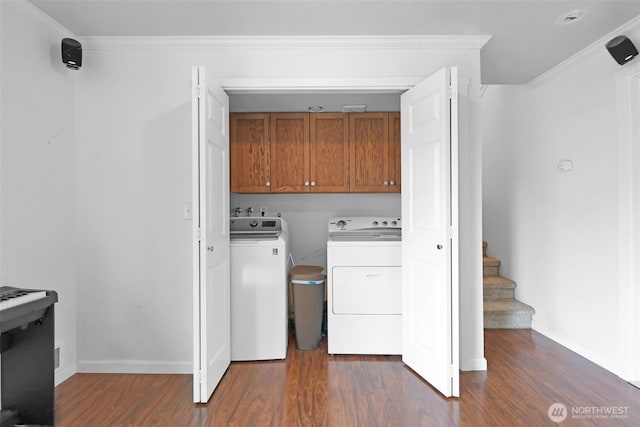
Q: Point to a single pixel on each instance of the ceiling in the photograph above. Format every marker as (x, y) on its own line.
(525, 40)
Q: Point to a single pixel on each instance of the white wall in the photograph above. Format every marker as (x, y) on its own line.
(133, 176)
(307, 216)
(557, 233)
(37, 181)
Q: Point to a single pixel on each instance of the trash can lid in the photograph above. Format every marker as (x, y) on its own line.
(307, 272)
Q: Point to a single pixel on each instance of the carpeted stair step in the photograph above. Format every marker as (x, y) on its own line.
(501, 309)
(507, 313)
(495, 287)
(490, 266)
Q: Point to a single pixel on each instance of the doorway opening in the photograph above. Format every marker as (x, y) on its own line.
(310, 211)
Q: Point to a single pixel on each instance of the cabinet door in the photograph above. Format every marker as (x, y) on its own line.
(394, 152)
(329, 152)
(250, 153)
(290, 152)
(368, 152)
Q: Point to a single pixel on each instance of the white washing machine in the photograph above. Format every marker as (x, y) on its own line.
(364, 294)
(259, 268)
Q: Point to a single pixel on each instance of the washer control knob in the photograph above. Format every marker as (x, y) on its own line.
(385, 223)
(394, 223)
(341, 224)
(253, 223)
(375, 223)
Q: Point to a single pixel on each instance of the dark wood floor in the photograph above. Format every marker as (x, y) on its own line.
(527, 374)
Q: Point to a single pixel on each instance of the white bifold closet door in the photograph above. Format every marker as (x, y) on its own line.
(429, 120)
(211, 283)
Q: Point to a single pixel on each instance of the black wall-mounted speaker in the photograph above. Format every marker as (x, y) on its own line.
(71, 53)
(622, 49)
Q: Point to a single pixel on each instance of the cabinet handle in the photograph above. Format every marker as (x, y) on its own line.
(386, 183)
(313, 183)
(393, 183)
(268, 184)
(306, 183)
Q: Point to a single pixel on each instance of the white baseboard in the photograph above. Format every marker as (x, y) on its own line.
(575, 347)
(63, 374)
(134, 367)
(477, 364)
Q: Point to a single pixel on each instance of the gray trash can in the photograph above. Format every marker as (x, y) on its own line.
(307, 282)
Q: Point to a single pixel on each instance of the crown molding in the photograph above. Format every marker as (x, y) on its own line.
(630, 27)
(39, 17)
(275, 42)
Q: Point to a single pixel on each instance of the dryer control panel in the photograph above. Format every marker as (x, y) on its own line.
(365, 228)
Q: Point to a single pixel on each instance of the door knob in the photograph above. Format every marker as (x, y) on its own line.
(439, 246)
(210, 248)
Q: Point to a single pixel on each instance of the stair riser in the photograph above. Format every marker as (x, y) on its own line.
(498, 293)
(489, 270)
(507, 321)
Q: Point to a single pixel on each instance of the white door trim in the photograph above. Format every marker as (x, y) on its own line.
(628, 109)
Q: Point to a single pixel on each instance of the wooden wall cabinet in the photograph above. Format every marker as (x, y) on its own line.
(309, 153)
(289, 152)
(250, 153)
(315, 152)
(374, 148)
(329, 153)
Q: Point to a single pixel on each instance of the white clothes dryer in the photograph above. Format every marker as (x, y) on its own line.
(364, 294)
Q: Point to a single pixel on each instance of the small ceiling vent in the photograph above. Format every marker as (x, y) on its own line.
(356, 108)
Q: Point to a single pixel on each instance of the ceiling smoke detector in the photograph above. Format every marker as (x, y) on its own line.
(356, 108)
(571, 17)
